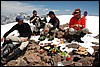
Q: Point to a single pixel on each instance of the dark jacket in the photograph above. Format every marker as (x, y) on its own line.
(55, 22)
(23, 29)
(35, 19)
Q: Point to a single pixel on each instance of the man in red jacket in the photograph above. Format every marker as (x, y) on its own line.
(77, 26)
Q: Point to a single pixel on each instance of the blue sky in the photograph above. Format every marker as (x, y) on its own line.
(43, 7)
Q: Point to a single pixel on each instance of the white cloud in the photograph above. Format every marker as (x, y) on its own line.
(55, 10)
(67, 10)
(45, 9)
(10, 7)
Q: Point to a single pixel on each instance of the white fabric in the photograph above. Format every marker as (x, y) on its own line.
(18, 39)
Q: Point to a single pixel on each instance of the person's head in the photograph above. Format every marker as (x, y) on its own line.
(77, 13)
(34, 13)
(19, 19)
(51, 14)
(85, 13)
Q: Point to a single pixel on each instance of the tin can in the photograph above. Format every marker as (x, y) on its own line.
(61, 40)
(60, 64)
(68, 57)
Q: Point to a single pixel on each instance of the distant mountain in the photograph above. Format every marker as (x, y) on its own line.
(11, 18)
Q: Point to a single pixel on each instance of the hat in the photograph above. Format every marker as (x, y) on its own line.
(76, 11)
(82, 51)
(51, 12)
(19, 17)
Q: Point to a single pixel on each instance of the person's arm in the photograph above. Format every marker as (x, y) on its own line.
(8, 32)
(71, 23)
(45, 19)
(32, 19)
(56, 23)
(83, 22)
(29, 31)
(39, 19)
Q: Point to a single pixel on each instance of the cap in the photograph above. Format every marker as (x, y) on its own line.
(76, 11)
(34, 11)
(19, 17)
(85, 13)
(51, 12)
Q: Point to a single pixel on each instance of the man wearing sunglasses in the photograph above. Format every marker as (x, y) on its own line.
(35, 20)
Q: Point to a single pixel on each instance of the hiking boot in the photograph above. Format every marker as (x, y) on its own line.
(78, 39)
(16, 53)
(8, 49)
(6, 42)
(82, 34)
(70, 38)
(42, 37)
(3, 61)
(50, 39)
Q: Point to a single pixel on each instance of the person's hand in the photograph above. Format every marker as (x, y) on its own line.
(46, 29)
(79, 25)
(33, 19)
(75, 25)
(2, 39)
(25, 39)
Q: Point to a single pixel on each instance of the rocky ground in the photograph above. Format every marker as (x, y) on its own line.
(32, 56)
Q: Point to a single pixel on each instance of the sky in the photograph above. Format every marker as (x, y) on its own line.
(43, 7)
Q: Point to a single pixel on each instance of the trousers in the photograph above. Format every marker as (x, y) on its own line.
(18, 39)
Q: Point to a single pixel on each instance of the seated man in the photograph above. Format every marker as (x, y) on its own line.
(54, 21)
(77, 27)
(50, 28)
(24, 35)
(37, 23)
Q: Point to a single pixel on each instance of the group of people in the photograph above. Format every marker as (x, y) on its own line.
(77, 29)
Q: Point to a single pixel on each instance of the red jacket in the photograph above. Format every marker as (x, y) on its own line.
(74, 21)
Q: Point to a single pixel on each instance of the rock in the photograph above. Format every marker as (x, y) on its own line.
(47, 64)
(46, 59)
(22, 63)
(83, 61)
(67, 63)
(73, 45)
(31, 47)
(97, 37)
(96, 43)
(57, 58)
(37, 65)
(87, 61)
(34, 46)
(42, 63)
(12, 63)
(78, 64)
(30, 56)
(96, 62)
(95, 48)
